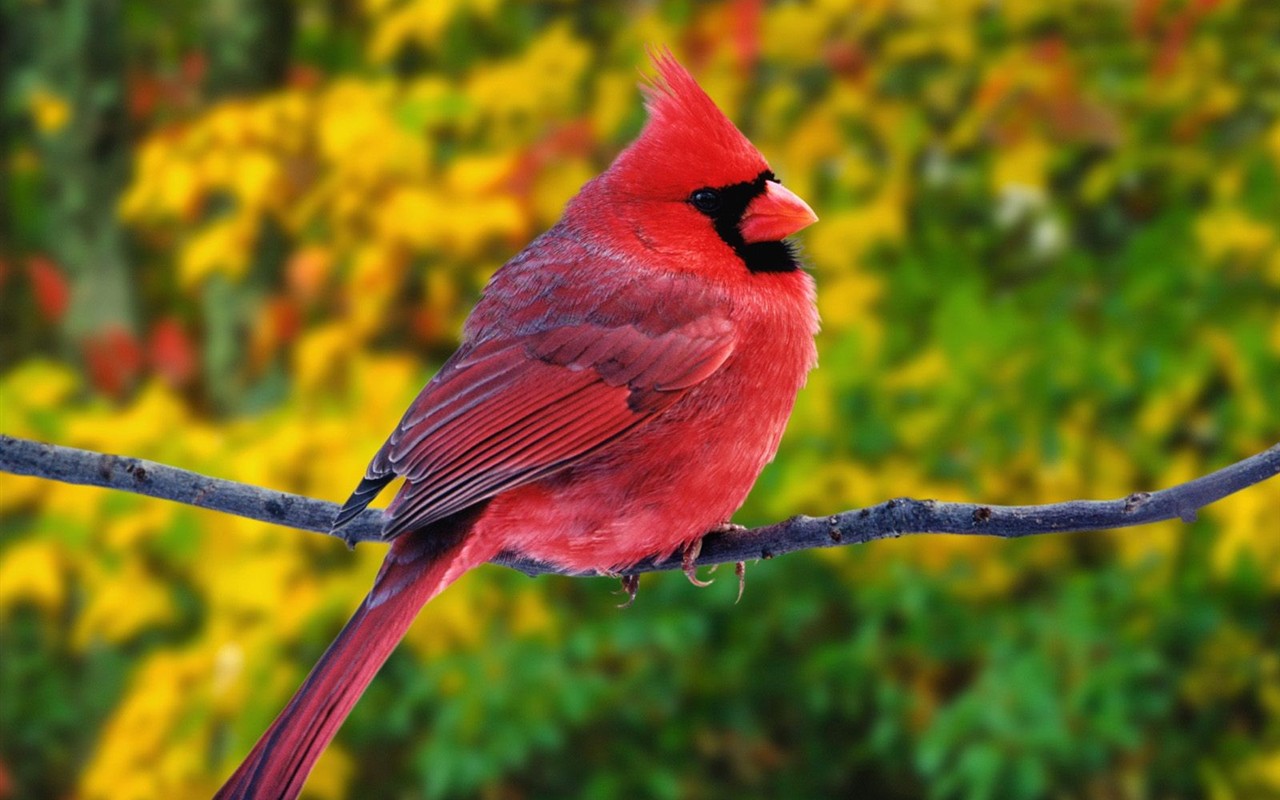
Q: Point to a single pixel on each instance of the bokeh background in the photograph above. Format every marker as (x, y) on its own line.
(238, 236)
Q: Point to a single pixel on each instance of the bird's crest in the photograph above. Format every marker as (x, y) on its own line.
(687, 133)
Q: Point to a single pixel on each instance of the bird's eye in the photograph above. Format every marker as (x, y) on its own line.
(705, 200)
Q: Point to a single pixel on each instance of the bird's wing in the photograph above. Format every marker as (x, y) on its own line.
(505, 413)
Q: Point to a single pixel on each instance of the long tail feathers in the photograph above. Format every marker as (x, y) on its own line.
(418, 566)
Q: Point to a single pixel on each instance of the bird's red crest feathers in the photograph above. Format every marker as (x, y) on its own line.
(686, 135)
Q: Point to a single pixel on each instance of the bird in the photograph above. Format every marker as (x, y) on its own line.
(618, 388)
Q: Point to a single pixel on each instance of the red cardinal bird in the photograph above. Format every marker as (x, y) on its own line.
(618, 390)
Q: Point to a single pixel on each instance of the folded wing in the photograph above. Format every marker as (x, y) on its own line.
(502, 414)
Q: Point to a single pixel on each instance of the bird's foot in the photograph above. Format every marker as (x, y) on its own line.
(630, 585)
(687, 558)
(739, 567)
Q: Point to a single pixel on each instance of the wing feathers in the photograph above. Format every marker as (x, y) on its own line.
(506, 412)
(542, 438)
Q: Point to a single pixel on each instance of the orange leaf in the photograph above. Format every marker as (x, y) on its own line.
(307, 271)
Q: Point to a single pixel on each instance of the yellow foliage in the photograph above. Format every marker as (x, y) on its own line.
(376, 275)
(139, 754)
(614, 102)
(421, 22)
(454, 620)
(256, 179)
(515, 94)
(1024, 165)
(122, 604)
(33, 385)
(397, 196)
(33, 572)
(223, 247)
(321, 356)
(331, 775)
(847, 235)
(555, 185)
(50, 111)
(805, 29)
(144, 426)
(1241, 519)
(1230, 233)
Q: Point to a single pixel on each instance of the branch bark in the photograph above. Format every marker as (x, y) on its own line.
(889, 519)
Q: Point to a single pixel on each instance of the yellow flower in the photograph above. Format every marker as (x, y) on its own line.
(149, 749)
(123, 605)
(1025, 164)
(1229, 233)
(929, 369)
(476, 175)
(1265, 769)
(33, 572)
(144, 427)
(257, 180)
(376, 275)
(321, 355)
(843, 237)
(1242, 520)
(452, 621)
(412, 216)
(421, 22)
(35, 385)
(332, 773)
(798, 33)
(49, 111)
(614, 102)
(541, 83)
(555, 184)
(223, 247)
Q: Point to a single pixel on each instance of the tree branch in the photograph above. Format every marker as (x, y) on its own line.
(890, 519)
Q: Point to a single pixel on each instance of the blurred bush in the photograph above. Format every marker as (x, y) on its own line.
(238, 237)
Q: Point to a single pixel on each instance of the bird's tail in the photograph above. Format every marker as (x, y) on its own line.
(418, 566)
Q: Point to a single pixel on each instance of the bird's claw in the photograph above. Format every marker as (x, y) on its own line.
(630, 585)
(740, 569)
(687, 559)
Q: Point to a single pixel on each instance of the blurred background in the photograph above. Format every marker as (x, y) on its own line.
(238, 237)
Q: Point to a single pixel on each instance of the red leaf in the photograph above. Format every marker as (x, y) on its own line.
(304, 76)
(193, 68)
(286, 319)
(1145, 13)
(6, 782)
(50, 287)
(171, 354)
(144, 93)
(114, 360)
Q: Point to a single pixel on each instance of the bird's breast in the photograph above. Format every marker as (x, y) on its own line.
(688, 469)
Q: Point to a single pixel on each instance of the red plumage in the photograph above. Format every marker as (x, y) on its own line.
(618, 389)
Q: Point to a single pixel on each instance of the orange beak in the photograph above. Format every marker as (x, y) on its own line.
(775, 215)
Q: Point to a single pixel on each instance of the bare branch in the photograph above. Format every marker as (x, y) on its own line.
(890, 519)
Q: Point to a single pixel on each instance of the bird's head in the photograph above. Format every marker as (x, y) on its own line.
(691, 183)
